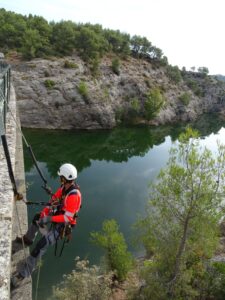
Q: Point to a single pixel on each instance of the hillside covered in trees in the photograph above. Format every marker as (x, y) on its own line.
(34, 37)
(101, 76)
(81, 76)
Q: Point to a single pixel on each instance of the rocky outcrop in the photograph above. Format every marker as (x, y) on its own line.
(51, 95)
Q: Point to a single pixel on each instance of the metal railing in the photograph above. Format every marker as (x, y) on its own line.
(4, 92)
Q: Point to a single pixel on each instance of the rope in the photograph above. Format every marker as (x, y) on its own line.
(16, 194)
(9, 165)
(45, 187)
(14, 119)
(21, 234)
(38, 278)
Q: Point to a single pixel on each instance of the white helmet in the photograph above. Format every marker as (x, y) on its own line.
(68, 171)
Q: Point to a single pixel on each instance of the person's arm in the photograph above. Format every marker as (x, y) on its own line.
(72, 206)
(46, 210)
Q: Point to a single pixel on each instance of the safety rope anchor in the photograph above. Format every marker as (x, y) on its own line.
(18, 197)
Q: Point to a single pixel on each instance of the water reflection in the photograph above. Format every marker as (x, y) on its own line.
(114, 167)
(117, 145)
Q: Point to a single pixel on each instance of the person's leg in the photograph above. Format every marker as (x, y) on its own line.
(30, 235)
(38, 252)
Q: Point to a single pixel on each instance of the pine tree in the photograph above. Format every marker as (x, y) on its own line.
(180, 229)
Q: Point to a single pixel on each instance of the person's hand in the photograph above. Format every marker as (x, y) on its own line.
(45, 220)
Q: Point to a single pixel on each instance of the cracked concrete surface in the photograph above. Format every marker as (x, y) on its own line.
(9, 228)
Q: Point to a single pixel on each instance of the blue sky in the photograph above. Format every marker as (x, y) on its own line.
(189, 32)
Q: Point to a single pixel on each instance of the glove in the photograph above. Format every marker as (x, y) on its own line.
(36, 218)
(45, 220)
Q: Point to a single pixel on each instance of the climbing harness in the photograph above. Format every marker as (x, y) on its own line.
(65, 234)
(64, 230)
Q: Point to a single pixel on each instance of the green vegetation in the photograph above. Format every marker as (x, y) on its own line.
(204, 71)
(84, 283)
(132, 112)
(49, 83)
(140, 45)
(34, 37)
(185, 98)
(193, 85)
(118, 259)
(116, 66)
(135, 105)
(94, 66)
(154, 102)
(182, 233)
(174, 73)
(83, 90)
(70, 65)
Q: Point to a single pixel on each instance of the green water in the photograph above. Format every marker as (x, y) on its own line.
(115, 168)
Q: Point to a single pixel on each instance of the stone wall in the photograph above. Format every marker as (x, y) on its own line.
(8, 218)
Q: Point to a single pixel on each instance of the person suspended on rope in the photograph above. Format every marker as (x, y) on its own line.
(61, 213)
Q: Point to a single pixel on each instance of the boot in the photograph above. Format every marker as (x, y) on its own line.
(24, 239)
(16, 280)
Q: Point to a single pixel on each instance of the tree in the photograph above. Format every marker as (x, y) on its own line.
(174, 73)
(118, 42)
(12, 27)
(31, 43)
(140, 45)
(116, 65)
(155, 53)
(90, 45)
(203, 70)
(45, 31)
(63, 37)
(153, 103)
(180, 229)
(117, 257)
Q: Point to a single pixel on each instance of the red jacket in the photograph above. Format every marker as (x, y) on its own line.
(70, 202)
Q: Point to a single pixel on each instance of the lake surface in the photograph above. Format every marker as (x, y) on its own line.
(114, 170)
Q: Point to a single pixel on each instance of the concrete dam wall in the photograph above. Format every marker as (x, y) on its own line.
(13, 214)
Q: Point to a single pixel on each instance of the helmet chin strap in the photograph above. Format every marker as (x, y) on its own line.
(64, 181)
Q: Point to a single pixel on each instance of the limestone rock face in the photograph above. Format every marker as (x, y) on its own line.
(52, 96)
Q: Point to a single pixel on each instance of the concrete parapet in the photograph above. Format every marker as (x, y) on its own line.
(7, 205)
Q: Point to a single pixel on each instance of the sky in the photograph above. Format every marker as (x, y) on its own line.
(189, 32)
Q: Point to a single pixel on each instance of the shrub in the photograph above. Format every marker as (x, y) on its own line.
(174, 73)
(94, 66)
(204, 71)
(185, 98)
(115, 66)
(118, 259)
(154, 102)
(84, 283)
(83, 90)
(135, 105)
(70, 65)
(193, 85)
(119, 114)
(49, 83)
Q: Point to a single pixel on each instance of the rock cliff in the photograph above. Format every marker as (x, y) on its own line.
(63, 93)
